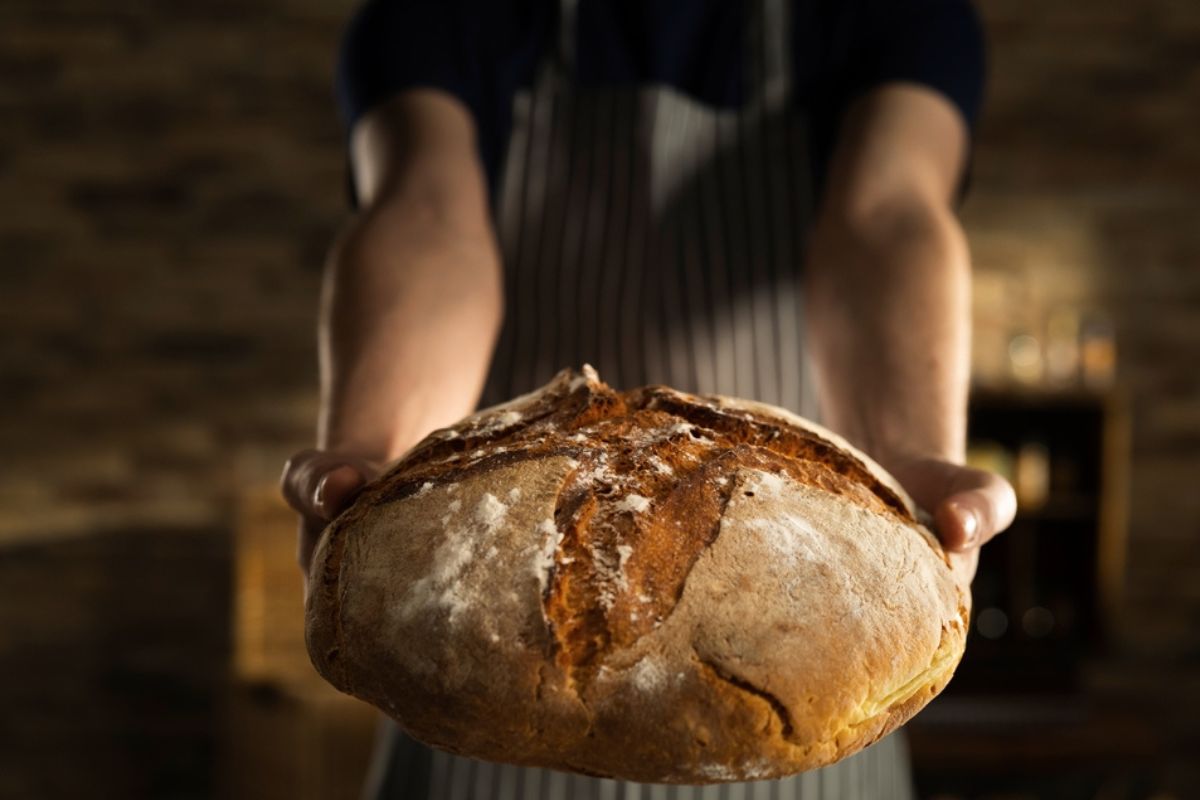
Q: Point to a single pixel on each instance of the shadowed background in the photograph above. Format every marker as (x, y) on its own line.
(170, 176)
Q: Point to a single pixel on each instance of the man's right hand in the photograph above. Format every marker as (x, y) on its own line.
(319, 485)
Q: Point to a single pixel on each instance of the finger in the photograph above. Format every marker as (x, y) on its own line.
(319, 484)
(298, 482)
(973, 514)
(964, 565)
(336, 489)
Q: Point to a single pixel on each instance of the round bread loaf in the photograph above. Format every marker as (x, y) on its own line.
(648, 585)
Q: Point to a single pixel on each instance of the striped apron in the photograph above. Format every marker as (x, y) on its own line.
(661, 241)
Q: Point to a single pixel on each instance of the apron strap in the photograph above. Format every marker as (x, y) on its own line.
(768, 62)
(565, 52)
(767, 32)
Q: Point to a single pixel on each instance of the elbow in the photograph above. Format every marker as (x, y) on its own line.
(894, 221)
(910, 233)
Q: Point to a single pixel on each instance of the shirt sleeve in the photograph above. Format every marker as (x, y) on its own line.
(392, 45)
(866, 43)
(478, 51)
(935, 43)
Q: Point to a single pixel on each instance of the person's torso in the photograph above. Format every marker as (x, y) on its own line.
(657, 231)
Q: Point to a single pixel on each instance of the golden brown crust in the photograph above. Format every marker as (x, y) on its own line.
(649, 584)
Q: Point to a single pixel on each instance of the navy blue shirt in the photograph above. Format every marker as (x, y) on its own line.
(484, 51)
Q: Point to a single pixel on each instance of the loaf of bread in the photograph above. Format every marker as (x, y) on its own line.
(648, 585)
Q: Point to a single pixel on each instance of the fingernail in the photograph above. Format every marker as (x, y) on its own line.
(319, 496)
(970, 524)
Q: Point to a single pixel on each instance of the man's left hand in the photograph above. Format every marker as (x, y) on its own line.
(969, 506)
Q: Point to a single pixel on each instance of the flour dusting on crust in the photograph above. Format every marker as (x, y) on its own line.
(444, 586)
(632, 502)
(649, 674)
(543, 560)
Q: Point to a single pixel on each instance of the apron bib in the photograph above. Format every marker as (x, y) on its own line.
(655, 237)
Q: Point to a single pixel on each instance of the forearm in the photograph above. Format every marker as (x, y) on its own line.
(888, 289)
(409, 317)
(889, 322)
(411, 304)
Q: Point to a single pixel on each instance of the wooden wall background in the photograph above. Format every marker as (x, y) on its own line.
(170, 175)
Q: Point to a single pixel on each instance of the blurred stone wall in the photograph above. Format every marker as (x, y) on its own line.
(1086, 190)
(170, 175)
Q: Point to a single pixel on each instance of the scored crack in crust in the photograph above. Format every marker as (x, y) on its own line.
(643, 491)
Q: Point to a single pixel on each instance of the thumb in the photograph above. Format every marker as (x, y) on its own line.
(980, 505)
(319, 484)
(336, 489)
(969, 505)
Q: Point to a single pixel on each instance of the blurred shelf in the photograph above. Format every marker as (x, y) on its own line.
(994, 733)
(1052, 397)
(287, 733)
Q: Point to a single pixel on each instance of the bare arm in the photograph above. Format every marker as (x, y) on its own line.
(411, 304)
(889, 306)
(412, 298)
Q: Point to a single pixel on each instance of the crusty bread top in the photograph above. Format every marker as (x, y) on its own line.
(649, 443)
(651, 584)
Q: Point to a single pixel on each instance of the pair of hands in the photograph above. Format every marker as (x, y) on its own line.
(969, 506)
